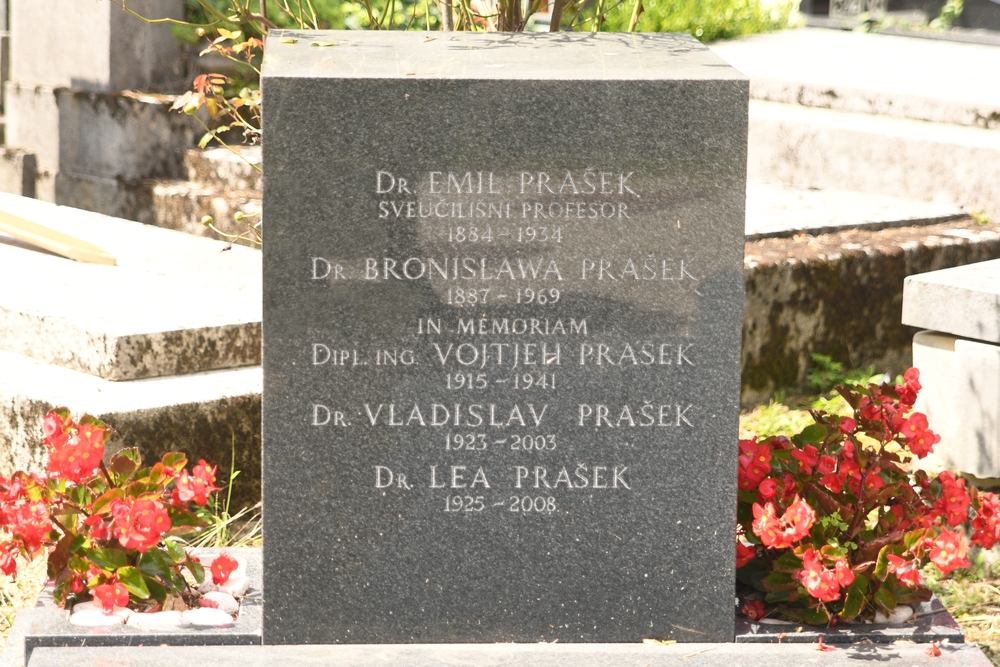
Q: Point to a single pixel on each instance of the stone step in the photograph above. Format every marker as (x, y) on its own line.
(921, 79)
(512, 655)
(173, 304)
(233, 168)
(841, 294)
(205, 415)
(182, 205)
(806, 147)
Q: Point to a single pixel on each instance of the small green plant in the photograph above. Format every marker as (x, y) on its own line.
(222, 528)
(827, 373)
(950, 11)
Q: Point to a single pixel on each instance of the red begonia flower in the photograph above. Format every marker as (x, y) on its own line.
(753, 609)
(906, 571)
(223, 566)
(820, 582)
(197, 485)
(146, 522)
(767, 488)
(948, 551)
(826, 465)
(744, 553)
(986, 524)
(807, 458)
(110, 595)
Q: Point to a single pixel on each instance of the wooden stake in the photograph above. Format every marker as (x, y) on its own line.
(53, 241)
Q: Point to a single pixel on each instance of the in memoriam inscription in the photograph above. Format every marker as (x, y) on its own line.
(501, 340)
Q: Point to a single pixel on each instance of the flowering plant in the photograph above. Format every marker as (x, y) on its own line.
(106, 529)
(832, 525)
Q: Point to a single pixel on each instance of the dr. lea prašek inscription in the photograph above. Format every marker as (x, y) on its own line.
(470, 211)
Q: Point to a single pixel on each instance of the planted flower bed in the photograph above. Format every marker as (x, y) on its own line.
(836, 522)
(108, 531)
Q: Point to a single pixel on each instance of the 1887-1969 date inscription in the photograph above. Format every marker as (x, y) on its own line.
(480, 354)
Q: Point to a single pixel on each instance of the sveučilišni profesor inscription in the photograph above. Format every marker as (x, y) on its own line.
(535, 211)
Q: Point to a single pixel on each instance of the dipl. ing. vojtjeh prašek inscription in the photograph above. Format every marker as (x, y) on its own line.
(503, 296)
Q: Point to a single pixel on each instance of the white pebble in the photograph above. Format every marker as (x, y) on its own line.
(96, 617)
(237, 585)
(207, 617)
(159, 619)
(901, 614)
(225, 601)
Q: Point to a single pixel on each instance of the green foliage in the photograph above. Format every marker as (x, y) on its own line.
(321, 14)
(950, 11)
(827, 373)
(707, 20)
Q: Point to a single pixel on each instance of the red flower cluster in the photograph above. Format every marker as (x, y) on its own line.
(25, 519)
(986, 524)
(919, 438)
(947, 551)
(110, 595)
(953, 503)
(140, 524)
(822, 582)
(878, 519)
(75, 450)
(195, 486)
(793, 525)
(906, 571)
(755, 463)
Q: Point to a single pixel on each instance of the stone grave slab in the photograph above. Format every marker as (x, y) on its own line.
(962, 301)
(931, 623)
(174, 304)
(517, 655)
(959, 360)
(775, 211)
(503, 290)
(49, 625)
(164, 346)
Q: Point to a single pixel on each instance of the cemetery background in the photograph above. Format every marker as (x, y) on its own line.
(878, 257)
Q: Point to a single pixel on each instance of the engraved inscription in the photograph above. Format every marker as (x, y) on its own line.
(508, 254)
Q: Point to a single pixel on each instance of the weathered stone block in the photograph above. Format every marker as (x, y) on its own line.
(172, 305)
(94, 46)
(963, 301)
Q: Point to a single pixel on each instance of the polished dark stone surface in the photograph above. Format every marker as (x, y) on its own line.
(50, 627)
(602, 172)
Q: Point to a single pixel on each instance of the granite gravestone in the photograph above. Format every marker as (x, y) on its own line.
(503, 292)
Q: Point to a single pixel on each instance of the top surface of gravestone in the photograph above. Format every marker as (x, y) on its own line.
(461, 55)
(962, 301)
(501, 347)
(173, 304)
